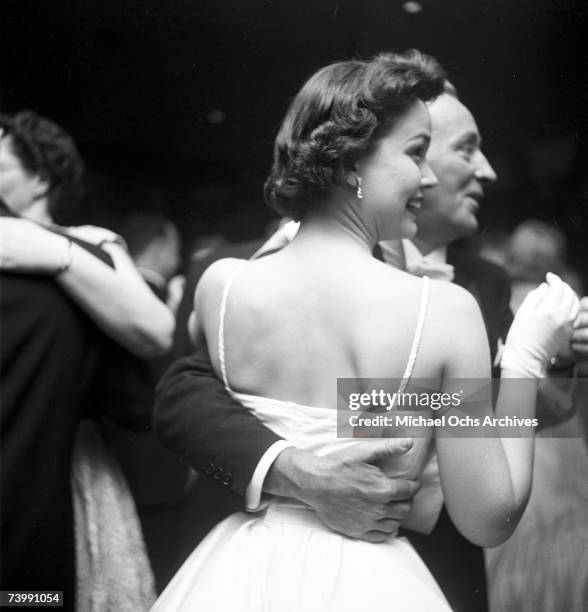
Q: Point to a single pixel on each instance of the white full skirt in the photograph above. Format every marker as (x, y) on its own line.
(285, 560)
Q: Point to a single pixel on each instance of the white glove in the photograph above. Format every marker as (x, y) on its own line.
(542, 326)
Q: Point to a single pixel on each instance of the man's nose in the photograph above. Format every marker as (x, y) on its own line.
(484, 172)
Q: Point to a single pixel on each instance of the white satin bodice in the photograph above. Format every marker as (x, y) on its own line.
(315, 429)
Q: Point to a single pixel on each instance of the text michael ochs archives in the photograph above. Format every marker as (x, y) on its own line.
(379, 409)
(418, 420)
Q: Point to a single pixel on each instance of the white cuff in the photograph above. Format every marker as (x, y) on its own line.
(253, 500)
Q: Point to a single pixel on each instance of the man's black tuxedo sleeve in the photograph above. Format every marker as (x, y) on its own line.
(196, 417)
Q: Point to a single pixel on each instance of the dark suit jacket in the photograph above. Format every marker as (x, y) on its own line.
(224, 442)
(490, 285)
(48, 351)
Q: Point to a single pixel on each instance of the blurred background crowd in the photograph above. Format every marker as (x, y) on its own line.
(175, 106)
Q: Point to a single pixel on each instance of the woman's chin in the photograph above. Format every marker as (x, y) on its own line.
(396, 229)
(408, 227)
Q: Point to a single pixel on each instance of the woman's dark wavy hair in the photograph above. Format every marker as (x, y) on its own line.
(47, 150)
(339, 112)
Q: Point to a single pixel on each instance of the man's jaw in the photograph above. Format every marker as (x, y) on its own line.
(443, 234)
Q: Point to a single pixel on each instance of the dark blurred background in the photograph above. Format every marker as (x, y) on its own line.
(175, 103)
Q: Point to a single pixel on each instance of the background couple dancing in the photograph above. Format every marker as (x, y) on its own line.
(350, 163)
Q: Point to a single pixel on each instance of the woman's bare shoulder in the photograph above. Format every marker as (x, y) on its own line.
(216, 276)
(453, 301)
(451, 295)
(455, 313)
(448, 304)
(208, 294)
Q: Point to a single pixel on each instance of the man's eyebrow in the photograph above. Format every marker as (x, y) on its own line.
(467, 136)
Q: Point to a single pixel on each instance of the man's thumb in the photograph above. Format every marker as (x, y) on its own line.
(383, 449)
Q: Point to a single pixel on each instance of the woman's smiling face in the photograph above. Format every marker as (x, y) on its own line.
(395, 172)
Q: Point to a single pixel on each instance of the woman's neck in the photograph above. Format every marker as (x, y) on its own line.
(335, 226)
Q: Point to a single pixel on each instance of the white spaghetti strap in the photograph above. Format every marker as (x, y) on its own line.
(417, 336)
(221, 325)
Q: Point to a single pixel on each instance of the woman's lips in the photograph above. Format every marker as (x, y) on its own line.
(414, 204)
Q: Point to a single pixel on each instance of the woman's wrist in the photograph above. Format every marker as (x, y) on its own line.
(527, 361)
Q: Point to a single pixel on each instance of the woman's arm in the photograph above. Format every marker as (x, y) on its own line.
(118, 300)
(486, 479)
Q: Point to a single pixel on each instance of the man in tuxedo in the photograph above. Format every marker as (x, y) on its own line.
(230, 447)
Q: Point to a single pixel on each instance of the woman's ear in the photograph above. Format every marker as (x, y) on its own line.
(40, 188)
(352, 174)
(351, 178)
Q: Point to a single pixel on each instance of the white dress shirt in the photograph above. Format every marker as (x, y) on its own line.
(405, 255)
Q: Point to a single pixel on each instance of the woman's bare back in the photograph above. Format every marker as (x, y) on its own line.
(292, 326)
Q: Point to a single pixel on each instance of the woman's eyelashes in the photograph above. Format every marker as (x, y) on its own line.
(418, 153)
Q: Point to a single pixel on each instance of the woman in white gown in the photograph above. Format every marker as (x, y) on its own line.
(350, 163)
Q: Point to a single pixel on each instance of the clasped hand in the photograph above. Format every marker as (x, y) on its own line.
(347, 489)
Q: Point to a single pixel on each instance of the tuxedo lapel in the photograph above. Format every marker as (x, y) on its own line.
(489, 284)
(463, 277)
(464, 274)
